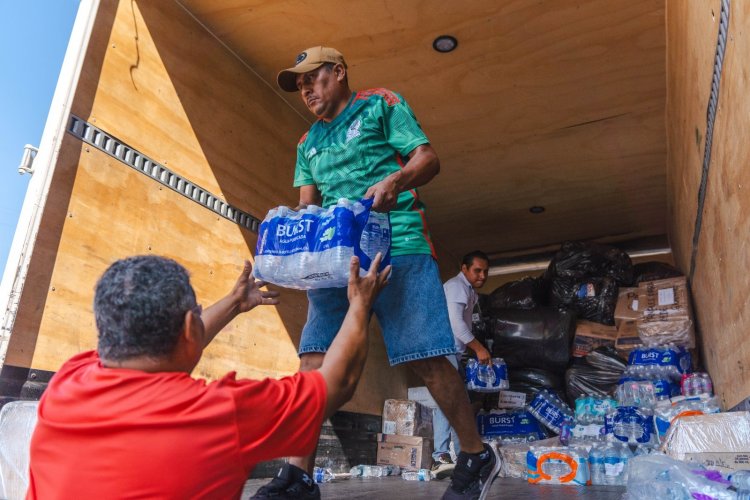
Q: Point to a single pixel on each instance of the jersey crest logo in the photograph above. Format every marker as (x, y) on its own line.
(353, 130)
(312, 152)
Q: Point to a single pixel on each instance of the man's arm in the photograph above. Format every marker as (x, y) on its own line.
(462, 332)
(343, 363)
(309, 195)
(422, 166)
(244, 296)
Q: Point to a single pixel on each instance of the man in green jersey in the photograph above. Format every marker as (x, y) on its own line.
(368, 144)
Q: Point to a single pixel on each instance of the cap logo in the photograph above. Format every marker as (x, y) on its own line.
(301, 57)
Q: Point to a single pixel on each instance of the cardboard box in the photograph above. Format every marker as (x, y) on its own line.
(627, 338)
(422, 396)
(590, 335)
(627, 305)
(720, 441)
(407, 418)
(408, 452)
(666, 316)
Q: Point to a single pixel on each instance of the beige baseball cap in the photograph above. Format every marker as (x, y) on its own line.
(308, 60)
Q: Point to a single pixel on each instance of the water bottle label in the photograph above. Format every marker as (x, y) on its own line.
(613, 468)
(518, 423)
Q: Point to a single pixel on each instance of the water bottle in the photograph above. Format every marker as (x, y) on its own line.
(615, 461)
(372, 471)
(357, 471)
(741, 481)
(486, 374)
(321, 475)
(391, 470)
(596, 464)
(420, 475)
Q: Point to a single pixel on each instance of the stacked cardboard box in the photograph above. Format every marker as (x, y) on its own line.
(665, 313)
(590, 335)
(406, 439)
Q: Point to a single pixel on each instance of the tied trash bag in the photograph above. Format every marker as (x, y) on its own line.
(653, 271)
(597, 376)
(522, 294)
(594, 299)
(578, 260)
(533, 338)
(312, 248)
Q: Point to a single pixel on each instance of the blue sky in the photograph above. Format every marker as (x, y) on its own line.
(33, 37)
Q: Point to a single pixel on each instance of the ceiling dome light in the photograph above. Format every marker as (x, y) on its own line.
(536, 209)
(445, 43)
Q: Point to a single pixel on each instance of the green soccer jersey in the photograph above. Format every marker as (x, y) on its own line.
(364, 144)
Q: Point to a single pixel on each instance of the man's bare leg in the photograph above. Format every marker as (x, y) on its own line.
(448, 390)
(308, 362)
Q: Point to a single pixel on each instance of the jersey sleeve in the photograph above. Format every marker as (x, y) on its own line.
(280, 418)
(402, 130)
(302, 173)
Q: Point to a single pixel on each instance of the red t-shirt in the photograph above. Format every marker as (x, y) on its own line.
(107, 432)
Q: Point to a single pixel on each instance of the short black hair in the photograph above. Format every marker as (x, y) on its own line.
(468, 259)
(139, 305)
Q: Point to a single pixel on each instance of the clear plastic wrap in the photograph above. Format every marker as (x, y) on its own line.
(667, 412)
(719, 440)
(486, 378)
(17, 422)
(659, 476)
(557, 465)
(312, 248)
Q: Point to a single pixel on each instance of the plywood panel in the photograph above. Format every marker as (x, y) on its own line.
(721, 284)
(554, 103)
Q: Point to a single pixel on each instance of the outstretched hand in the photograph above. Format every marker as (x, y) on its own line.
(247, 292)
(365, 289)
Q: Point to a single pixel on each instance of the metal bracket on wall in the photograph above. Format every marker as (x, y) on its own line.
(133, 158)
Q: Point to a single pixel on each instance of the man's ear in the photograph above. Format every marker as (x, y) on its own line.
(190, 332)
(340, 71)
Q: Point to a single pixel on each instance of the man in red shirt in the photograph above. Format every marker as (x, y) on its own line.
(129, 420)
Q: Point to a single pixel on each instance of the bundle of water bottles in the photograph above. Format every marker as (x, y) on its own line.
(486, 378)
(312, 247)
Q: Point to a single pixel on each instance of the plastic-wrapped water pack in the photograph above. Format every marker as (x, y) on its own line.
(312, 247)
(17, 422)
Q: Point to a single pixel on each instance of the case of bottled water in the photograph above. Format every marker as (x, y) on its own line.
(312, 247)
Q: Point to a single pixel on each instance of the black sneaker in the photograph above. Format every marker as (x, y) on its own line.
(290, 483)
(442, 467)
(473, 475)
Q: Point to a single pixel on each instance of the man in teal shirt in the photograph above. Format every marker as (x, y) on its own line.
(368, 144)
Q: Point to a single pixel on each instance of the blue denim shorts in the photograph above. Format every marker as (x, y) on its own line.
(411, 310)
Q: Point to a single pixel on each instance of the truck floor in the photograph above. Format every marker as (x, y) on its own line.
(395, 488)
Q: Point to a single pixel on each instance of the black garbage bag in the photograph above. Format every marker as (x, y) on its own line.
(598, 375)
(577, 260)
(535, 377)
(606, 358)
(652, 271)
(533, 338)
(594, 299)
(526, 293)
